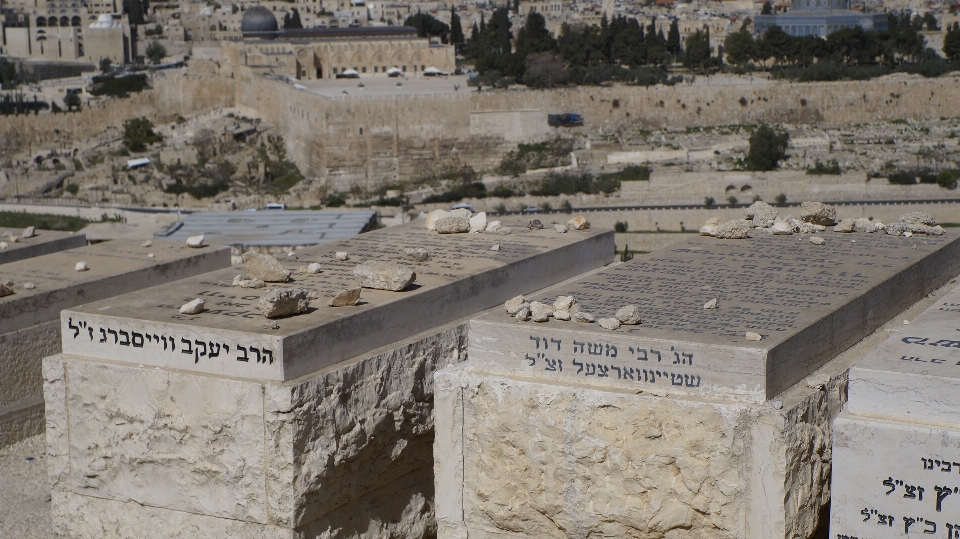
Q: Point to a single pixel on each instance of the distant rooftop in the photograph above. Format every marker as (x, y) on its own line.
(272, 228)
(310, 34)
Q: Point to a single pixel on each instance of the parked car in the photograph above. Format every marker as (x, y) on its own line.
(462, 207)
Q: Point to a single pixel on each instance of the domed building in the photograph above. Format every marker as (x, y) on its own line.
(326, 53)
(819, 18)
(258, 20)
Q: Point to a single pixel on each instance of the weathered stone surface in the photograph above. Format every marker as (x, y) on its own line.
(711, 227)
(782, 228)
(578, 222)
(195, 242)
(384, 275)
(846, 225)
(737, 229)
(513, 305)
(264, 267)
(535, 225)
(561, 229)
(540, 312)
(283, 302)
(193, 307)
(342, 256)
(417, 254)
(561, 315)
(862, 224)
(908, 229)
(523, 313)
(435, 216)
(802, 227)
(314, 268)
(452, 225)
(462, 213)
(818, 213)
(609, 323)
(761, 213)
(81, 266)
(478, 223)
(712, 304)
(252, 283)
(28, 232)
(817, 240)
(917, 218)
(629, 315)
(346, 298)
(493, 226)
(564, 303)
(583, 317)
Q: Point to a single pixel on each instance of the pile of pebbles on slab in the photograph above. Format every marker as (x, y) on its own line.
(462, 221)
(815, 217)
(566, 309)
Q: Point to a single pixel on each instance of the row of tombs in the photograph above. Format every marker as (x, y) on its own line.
(770, 388)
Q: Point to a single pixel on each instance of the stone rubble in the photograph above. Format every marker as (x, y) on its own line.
(761, 213)
(561, 229)
(541, 312)
(264, 267)
(6, 290)
(711, 227)
(584, 317)
(523, 313)
(150, 255)
(712, 304)
(846, 226)
(195, 242)
(578, 222)
(314, 268)
(148, 243)
(29, 286)
(452, 225)
(917, 218)
(863, 224)
(435, 216)
(629, 315)
(493, 226)
(535, 225)
(496, 247)
(28, 232)
(802, 227)
(513, 305)
(3, 245)
(194, 307)
(417, 254)
(283, 302)
(462, 213)
(81, 266)
(781, 228)
(915, 223)
(383, 275)
(504, 231)
(345, 298)
(564, 303)
(817, 240)
(478, 223)
(751, 336)
(248, 283)
(561, 315)
(817, 213)
(609, 323)
(736, 229)
(342, 256)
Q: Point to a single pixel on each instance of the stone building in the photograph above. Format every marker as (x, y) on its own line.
(64, 39)
(318, 53)
(819, 18)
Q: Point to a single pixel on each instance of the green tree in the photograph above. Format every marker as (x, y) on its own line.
(156, 52)
(138, 133)
(105, 65)
(8, 74)
(767, 148)
(951, 43)
(698, 51)
(534, 36)
(291, 20)
(673, 39)
(740, 47)
(456, 29)
(767, 8)
(71, 101)
(428, 26)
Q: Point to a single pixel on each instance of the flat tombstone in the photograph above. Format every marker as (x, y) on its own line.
(896, 454)
(43, 242)
(232, 338)
(808, 303)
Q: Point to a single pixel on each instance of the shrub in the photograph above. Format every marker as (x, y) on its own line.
(72, 188)
(620, 226)
(947, 178)
(767, 148)
(709, 202)
(732, 200)
(780, 199)
(902, 177)
(334, 200)
(820, 169)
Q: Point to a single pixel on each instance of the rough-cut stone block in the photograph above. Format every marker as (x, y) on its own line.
(518, 457)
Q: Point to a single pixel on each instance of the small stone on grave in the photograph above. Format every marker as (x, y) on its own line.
(817, 240)
(29, 232)
(495, 247)
(561, 315)
(453, 225)
(564, 303)
(579, 222)
(383, 275)
(81, 266)
(264, 267)
(314, 268)
(846, 226)
(493, 226)
(148, 243)
(712, 304)
(478, 222)
(629, 315)
(283, 302)
(761, 213)
(342, 256)
(561, 229)
(6, 290)
(917, 218)
(418, 254)
(817, 213)
(462, 213)
(583, 317)
(3, 245)
(781, 228)
(523, 313)
(540, 312)
(505, 231)
(194, 307)
(513, 305)
(736, 229)
(29, 286)
(345, 298)
(751, 336)
(195, 241)
(535, 225)
(150, 255)
(435, 216)
(609, 323)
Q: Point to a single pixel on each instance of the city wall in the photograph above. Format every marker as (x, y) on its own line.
(369, 141)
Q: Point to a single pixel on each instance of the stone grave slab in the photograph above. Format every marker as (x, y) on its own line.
(808, 303)
(42, 243)
(233, 338)
(30, 318)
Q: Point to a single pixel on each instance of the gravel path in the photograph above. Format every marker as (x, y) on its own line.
(24, 490)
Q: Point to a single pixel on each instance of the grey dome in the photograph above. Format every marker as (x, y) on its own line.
(258, 19)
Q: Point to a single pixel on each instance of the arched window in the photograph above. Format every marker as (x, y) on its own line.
(52, 21)
(41, 22)
(75, 21)
(64, 21)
